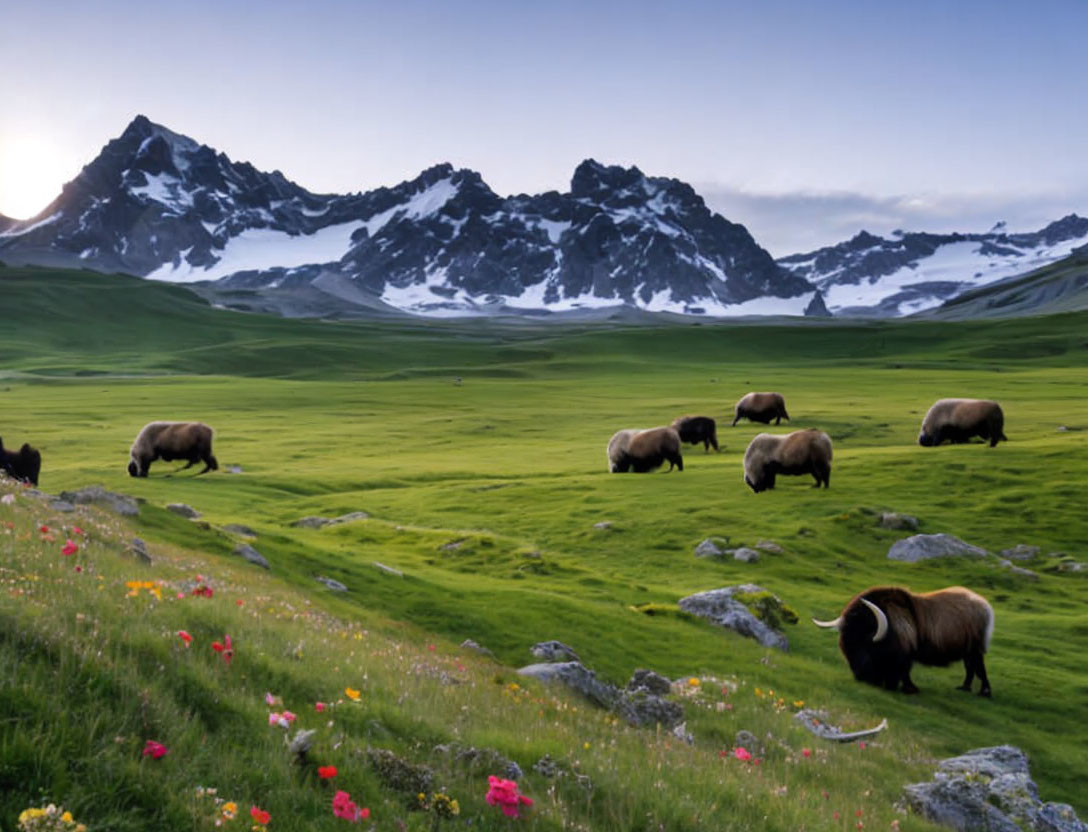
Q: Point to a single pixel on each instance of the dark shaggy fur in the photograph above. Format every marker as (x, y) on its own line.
(644, 450)
(801, 452)
(24, 465)
(191, 441)
(761, 407)
(958, 420)
(696, 429)
(931, 628)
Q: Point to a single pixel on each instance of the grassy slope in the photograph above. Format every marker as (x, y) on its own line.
(327, 418)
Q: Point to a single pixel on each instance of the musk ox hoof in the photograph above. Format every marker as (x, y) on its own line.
(910, 688)
(986, 693)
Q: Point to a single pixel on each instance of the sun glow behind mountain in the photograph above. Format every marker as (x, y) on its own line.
(30, 175)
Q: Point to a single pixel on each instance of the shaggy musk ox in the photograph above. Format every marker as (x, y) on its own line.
(23, 465)
(696, 429)
(644, 450)
(801, 452)
(761, 407)
(169, 441)
(957, 420)
(884, 630)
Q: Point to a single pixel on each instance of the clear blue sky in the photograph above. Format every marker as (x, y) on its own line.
(804, 120)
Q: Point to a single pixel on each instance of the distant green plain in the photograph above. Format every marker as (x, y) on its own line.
(508, 464)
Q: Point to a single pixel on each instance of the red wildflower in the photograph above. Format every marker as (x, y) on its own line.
(79, 568)
(155, 750)
(77, 530)
(504, 793)
(259, 815)
(70, 548)
(218, 647)
(224, 649)
(239, 602)
(806, 752)
(202, 590)
(327, 772)
(43, 529)
(184, 636)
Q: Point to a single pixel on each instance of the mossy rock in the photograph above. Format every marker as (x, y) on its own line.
(768, 608)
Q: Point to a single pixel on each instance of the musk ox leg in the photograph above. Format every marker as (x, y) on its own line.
(678, 461)
(777, 421)
(210, 464)
(980, 669)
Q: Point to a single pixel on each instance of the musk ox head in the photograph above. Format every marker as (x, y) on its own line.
(134, 468)
(864, 641)
(760, 466)
(24, 464)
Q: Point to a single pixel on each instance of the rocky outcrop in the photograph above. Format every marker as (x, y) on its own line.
(927, 546)
(729, 607)
(989, 790)
(895, 520)
(251, 554)
(95, 494)
(183, 510)
(554, 651)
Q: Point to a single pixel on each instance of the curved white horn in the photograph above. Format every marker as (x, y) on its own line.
(830, 625)
(881, 620)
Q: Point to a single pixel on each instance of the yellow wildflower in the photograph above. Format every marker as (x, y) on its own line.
(352, 694)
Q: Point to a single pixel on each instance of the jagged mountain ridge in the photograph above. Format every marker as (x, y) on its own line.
(158, 204)
(876, 276)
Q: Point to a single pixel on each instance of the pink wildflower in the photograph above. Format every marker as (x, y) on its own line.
(319, 706)
(504, 793)
(806, 752)
(155, 750)
(77, 530)
(70, 547)
(344, 807)
(742, 754)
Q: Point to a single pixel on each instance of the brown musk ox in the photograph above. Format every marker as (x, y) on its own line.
(958, 420)
(643, 450)
(696, 429)
(191, 441)
(801, 452)
(761, 407)
(24, 464)
(885, 629)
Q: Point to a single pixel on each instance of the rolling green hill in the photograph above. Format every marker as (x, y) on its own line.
(477, 450)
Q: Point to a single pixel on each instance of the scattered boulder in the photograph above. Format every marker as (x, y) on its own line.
(746, 555)
(238, 528)
(234, 469)
(895, 520)
(350, 517)
(729, 607)
(554, 651)
(604, 524)
(926, 546)
(1018, 570)
(183, 510)
(453, 545)
(251, 554)
(469, 644)
(640, 708)
(118, 503)
(312, 522)
(749, 742)
(389, 570)
(331, 583)
(480, 759)
(650, 681)
(62, 505)
(1021, 551)
(138, 549)
(712, 547)
(575, 676)
(989, 789)
(769, 546)
(399, 774)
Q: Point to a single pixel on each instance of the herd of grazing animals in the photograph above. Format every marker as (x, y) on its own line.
(882, 630)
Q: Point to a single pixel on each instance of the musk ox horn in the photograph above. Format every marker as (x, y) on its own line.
(881, 620)
(829, 625)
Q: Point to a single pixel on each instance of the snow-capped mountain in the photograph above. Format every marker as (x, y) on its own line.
(875, 276)
(160, 205)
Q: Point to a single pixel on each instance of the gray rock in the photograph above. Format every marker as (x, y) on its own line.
(1019, 570)
(312, 522)
(895, 520)
(332, 584)
(712, 547)
(138, 549)
(95, 494)
(649, 681)
(389, 570)
(251, 554)
(469, 644)
(746, 555)
(989, 789)
(577, 677)
(183, 510)
(234, 469)
(1021, 551)
(554, 651)
(350, 517)
(719, 607)
(926, 546)
(453, 545)
(769, 546)
(238, 528)
(546, 766)
(604, 524)
(62, 505)
(749, 742)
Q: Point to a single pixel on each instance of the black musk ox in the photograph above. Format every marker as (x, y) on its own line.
(23, 465)
(168, 441)
(696, 429)
(957, 420)
(884, 630)
(643, 450)
(761, 407)
(801, 452)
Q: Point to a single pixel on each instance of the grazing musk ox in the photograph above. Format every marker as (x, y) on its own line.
(696, 429)
(801, 452)
(761, 407)
(957, 420)
(23, 465)
(643, 450)
(169, 441)
(884, 630)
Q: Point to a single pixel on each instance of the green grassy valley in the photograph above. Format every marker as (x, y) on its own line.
(477, 448)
